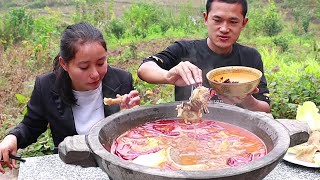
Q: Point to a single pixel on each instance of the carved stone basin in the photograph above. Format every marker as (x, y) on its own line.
(94, 149)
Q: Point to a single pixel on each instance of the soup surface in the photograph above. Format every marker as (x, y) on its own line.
(172, 144)
(239, 77)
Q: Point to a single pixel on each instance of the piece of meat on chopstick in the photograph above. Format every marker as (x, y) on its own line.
(191, 111)
(111, 101)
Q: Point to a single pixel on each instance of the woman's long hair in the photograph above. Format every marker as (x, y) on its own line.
(72, 38)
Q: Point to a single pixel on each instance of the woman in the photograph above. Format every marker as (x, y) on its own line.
(70, 99)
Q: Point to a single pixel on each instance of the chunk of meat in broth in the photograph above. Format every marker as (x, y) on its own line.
(191, 111)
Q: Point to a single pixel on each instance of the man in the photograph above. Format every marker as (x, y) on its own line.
(185, 63)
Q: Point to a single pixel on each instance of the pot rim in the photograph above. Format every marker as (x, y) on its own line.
(274, 155)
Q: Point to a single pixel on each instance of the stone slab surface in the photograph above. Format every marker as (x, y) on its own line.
(50, 167)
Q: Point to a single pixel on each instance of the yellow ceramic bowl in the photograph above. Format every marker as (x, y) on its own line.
(243, 80)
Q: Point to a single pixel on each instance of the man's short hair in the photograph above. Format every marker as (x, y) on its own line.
(243, 3)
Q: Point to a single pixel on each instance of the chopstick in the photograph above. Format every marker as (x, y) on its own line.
(15, 158)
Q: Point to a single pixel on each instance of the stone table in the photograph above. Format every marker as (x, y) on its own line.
(50, 167)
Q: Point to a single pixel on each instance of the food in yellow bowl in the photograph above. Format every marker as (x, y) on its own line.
(234, 81)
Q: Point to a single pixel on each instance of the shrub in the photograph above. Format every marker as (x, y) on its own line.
(47, 26)
(281, 42)
(302, 13)
(17, 26)
(186, 20)
(116, 27)
(143, 18)
(292, 80)
(272, 22)
(89, 11)
(287, 93)
(255, 25)
(140, 17)
(306, 22)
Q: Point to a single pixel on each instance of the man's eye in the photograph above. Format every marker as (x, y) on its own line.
(217, 20)
(234, 22)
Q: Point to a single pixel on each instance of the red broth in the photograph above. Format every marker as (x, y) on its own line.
(172, 144)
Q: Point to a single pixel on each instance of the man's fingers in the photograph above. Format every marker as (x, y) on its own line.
(230, 100)
(256, 90)
(186, 75)
(196, 73)
(199, 77)
(190, 73)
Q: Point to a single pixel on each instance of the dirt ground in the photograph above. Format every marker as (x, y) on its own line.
(149, 48)
(195, 3)
(120, 5)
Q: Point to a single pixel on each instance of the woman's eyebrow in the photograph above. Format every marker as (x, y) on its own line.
(83, 62)
(103, 57)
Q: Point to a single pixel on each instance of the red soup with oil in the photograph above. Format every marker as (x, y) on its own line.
(172, 144)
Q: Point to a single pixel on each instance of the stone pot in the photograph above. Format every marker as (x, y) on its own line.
(94, 149)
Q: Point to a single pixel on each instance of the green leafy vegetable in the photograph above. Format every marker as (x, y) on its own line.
(317, 158)
(309, 112)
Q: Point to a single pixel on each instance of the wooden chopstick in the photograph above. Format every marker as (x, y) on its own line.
(15, 158)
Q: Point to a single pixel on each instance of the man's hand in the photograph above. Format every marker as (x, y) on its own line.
(184, 74)
(238, 100)
(248, 102)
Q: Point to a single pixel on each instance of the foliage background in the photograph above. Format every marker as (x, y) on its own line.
(286, 33)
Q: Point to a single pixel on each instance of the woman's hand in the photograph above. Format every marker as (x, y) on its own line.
(129, 100)
(8, 146)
